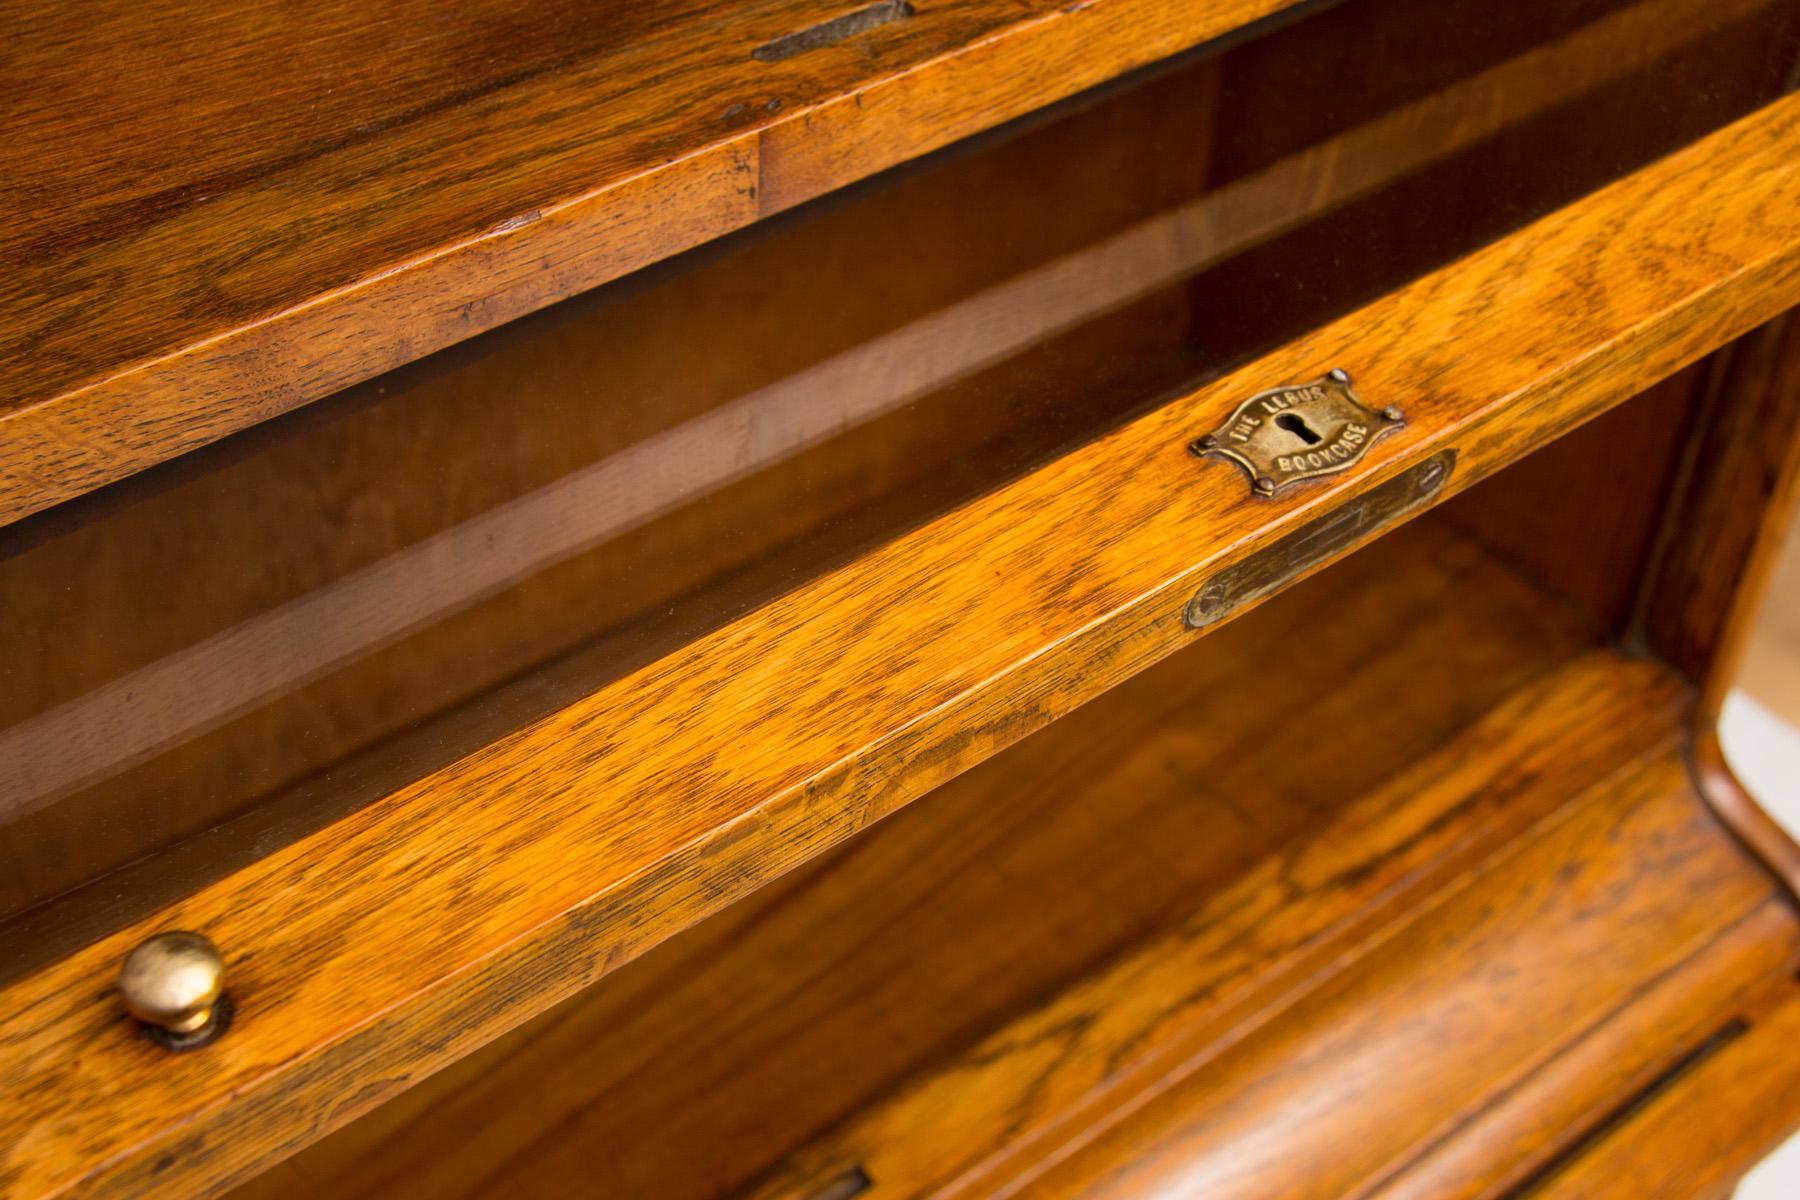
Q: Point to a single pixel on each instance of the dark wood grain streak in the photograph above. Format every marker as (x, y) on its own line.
(1548, 1118)
(1151, 187)
(1676, 1145)
(376, 950)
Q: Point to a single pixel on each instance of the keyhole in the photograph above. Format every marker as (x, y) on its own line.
(1295, 424)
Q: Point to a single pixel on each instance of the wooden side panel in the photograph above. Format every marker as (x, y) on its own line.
(1722, 529)
(1583, 514)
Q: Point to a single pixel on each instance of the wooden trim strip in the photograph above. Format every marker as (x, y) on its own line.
(368, 954)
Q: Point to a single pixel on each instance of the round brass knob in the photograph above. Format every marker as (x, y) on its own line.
(175, 983)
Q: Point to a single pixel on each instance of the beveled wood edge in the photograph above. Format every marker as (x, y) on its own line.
(1716, 782)
(1693, 251)
(1740, 812)
(150, 411)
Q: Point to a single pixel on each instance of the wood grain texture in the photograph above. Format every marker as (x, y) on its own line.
(1723, 530)
(302, 200)
(1539, 947)
(378, 949)
(1698, 1136)
(1063, 1070)
(708, 1060)
(443, 553)
(1726, 517)
(1551, 1116)
(629, 493)
(1616, 472)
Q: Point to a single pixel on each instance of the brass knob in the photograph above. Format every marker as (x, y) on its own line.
(175, 983)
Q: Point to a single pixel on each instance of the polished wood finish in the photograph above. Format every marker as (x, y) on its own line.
(1616, 471)
(1723, 529)
(1555, 936)
(597, 664)
(1729, 512)
(1071, 937)
(456, 907)
(214, 217)
(703, 1063)
(450, 567)
(1553, 1118)
(1674, 1144)
(629, 495)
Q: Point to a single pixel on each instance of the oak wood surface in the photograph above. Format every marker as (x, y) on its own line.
(376, 950)
(1541, 946)
(436, 545)
(215, 215)
(678, 1074)
(703, 1063)
(1552, 1117)
(1723, 531)
(1726, 516)
(1679, 1143)
(443, 555)
(1616, 472)
(1061, 1071)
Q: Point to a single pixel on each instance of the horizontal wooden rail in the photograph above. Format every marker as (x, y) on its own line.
(374, 951)
(297, 247)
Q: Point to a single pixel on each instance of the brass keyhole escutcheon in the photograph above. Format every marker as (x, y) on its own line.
(1288, 434)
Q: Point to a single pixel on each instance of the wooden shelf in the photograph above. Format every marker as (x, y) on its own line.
(1169, 879)
(215, 215)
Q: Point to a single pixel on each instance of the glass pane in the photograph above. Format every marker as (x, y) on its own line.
(229, 650)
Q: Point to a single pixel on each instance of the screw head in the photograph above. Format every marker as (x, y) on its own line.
(1264, 486)
(1202, 445)
(1338, 375)
(1390, 413)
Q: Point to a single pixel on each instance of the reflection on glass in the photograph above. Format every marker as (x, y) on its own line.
(244, 644)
